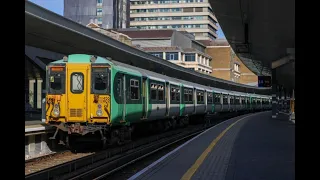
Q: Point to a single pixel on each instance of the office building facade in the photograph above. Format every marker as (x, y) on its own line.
(106, 13)
(177, 47)
(193, 16)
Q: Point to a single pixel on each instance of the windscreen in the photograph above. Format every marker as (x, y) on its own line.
(56, 80)
(100, 80)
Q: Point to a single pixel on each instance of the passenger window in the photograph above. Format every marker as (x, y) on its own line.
(173, 94)
(119, 87)
(178, 94)
(209, 98)
(186, 95)
(153, 88)
(161, 93)
(77, 82)
(190, 96)
(134, 89)
(201, 97)
(225, 99)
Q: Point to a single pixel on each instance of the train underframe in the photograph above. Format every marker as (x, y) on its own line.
(69, 133)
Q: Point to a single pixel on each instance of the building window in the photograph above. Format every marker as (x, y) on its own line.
(187, 9)
(190, 57)
(99, 11)
(99, 2)
(157, 54)
(171, 56)
(200, 9)
(99, 20)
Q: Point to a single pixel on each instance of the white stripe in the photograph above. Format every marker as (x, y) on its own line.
(154, 78)
(199, 88)
(181, 146)
(34, 129)
(284, 113)
(274, 116)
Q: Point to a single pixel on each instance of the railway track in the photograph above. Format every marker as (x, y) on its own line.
(67, 162)
(68, 165)
(103, 170)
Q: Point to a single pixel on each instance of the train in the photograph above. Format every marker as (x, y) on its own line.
(97, 96)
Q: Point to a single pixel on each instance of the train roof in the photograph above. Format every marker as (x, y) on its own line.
(80, 58)
(83, 58)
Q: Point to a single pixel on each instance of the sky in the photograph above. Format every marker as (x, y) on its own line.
(57, 7)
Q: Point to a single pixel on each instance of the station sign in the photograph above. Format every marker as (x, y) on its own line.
(264, 81)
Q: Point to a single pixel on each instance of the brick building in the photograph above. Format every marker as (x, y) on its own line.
(178, 47)
(226, 65)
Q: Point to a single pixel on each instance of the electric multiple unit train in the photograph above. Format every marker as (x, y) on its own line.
(94, 95)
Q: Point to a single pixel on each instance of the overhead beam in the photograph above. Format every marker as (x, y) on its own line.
(283, 61)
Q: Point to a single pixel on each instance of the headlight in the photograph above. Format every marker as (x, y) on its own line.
(56, 112)
(99, 112)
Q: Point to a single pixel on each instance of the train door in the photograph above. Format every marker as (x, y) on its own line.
(144, 97)
(194, 100)
(205, 98)
(77, 92)
(229, 102)
(221, 101)
(122, 96)
(167, 98)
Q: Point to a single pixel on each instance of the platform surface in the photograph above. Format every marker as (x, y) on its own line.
(33, 122)
(37, 125)
(248, 147)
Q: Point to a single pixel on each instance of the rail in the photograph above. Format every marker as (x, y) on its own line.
(72, 166)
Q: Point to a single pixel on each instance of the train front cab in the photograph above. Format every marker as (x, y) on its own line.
(76, 100)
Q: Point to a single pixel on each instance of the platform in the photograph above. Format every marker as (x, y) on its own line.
(36, 139)
(248, 147)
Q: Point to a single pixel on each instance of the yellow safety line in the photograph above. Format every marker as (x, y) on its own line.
(188, 175)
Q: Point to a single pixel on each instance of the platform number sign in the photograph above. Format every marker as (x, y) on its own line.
(264, 81)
